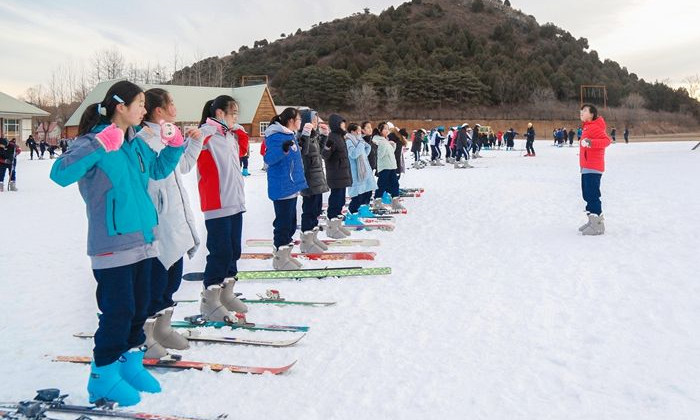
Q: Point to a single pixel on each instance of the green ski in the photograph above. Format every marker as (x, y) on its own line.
(318, 273)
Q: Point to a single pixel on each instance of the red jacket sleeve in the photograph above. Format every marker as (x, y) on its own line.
(243, 142)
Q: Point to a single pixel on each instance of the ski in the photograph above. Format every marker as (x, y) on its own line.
(329, 242)
(51, 401)
(382, 217)
(412, 190)
(196, 321)
(302, 273)
(193, 335)
(410, 194)
(326, 256)
(383, 210)
(185, 364)
(386, 227)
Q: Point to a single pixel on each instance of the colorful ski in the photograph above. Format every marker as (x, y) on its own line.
(329, 242)
(192, 335)
(412, 190)
(196, 321)
(383, 210)
(410, 194)
(326, 256)
(302, 273)
(183, 364)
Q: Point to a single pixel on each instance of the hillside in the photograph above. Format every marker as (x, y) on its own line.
(434, 55)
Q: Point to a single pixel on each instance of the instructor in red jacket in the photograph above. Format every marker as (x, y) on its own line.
(592, 146)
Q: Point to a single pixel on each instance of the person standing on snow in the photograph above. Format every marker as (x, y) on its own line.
(592, 163)
(530, 140)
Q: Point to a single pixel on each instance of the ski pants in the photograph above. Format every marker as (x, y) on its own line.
(462, 151)
(448, 151)
(529, 146)
(311, 208)
(8, 168)
(590, 189)
(224, 246)
(32, 150)
(244, 162)
(336, 201)
(285, 223)
(387, 182)
(164, 284)
(123, 297)
(359, 200)
(416, 156)
(435, 153)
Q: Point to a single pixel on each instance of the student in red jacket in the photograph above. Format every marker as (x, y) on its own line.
(593, 142)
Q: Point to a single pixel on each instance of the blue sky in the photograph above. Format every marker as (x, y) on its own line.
(656, 40)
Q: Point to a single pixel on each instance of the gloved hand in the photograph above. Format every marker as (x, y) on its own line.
(111, 138)
(170, 135)
(306, 131)
(287, 145)
(585, 143)
(323, 129)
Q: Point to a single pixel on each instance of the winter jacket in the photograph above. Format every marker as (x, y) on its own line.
(177, 232)
(114, 186)
(285, 171)
(417, 141)
(7, 153)
(311, 157)
(336, 155)
(358, 150)
(221, 187)
(373, 153)
(462, 139)
(396, 137)
(530, 135)
(385, 153)
(593, 157)
(243, 140)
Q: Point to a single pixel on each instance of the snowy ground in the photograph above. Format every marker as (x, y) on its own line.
(496, 309)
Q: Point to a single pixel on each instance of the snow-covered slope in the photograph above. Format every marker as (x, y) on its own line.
(497, 307)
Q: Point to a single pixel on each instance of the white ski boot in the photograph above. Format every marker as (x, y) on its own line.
(396, 204)
(154, 350)
(317, 241)
(211, 307)
(165, 335)
(11, 186)
(229, 299)
(308, 245)
(333, 229)
(585, 225)
(596, 227)
(282, 259)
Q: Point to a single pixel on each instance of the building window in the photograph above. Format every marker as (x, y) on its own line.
(11, 128)
(263, 127)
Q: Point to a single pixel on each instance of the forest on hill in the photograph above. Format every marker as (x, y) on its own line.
(437, 59)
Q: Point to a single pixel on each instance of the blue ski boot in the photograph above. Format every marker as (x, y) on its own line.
(135, 374)
(364, 211)
(245, 172)
(352, 219)
(386, 198)
(106, 382)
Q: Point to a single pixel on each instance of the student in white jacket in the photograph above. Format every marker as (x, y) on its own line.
(176, 232)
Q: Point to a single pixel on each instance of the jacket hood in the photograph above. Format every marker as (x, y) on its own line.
(277, 128)
(334, 124)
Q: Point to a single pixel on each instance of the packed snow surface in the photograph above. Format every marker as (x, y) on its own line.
(497, 308)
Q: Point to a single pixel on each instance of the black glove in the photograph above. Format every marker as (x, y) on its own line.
(286, 145)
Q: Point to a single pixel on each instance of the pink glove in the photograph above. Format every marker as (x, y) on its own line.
(323, 129)
(111, 138)
(306, 131)
(170, 135)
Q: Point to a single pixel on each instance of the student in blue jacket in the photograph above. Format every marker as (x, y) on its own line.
(285, 179)
(112, 167)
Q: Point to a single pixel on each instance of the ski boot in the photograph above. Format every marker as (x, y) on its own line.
(352, 219)
(229, 299)
(585, 225)
(396, 204)
(283, 260)
(245, 172)
(317, 241)
(365, 212)
(135, 374)
(154, 350)
(308, 245)
(596, 227)
(165, 335)
(106, 383)
(11, 186)
(211, 307)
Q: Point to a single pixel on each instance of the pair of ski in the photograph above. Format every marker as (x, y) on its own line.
(51, 401)
(325, 256)
(194, 335)
(302, 273)
(374, 225)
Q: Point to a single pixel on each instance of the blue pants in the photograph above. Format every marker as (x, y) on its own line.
(244, 162)
(311, 208)
(387, 181)
(336, 201)
(224, 246)
(10, 169)
(123, 297)
(590, 188)
(285, 223)
(359, 200)
(164, 284)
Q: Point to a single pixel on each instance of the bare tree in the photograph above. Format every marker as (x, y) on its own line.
(107, 64)
(633, 109)
(364, 99)
(392, 100)
(692, 84)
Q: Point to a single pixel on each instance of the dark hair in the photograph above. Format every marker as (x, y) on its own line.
(592, 109)
(285, 116)
(155, 98)
(352, 127)
(222, 102)
(364, 124)
(124, 90)
(403, 132)
(378, 129)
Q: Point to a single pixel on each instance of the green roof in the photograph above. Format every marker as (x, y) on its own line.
(189, 100)
(15, 107)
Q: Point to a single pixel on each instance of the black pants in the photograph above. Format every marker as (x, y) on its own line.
(416, 156)
(244, 162)
(529, 146)
(224, 246)
(359, 200)
(311, 208)
(123, 297)
(336, 201)
(164, 284)
(285, 223)
(435, 153)
(448, 152)
(32, 150)
(8, 168)
(462, 151)
(387, 182)
(590, 189)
